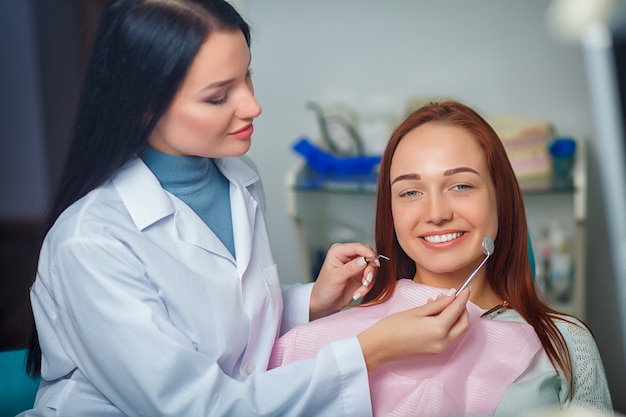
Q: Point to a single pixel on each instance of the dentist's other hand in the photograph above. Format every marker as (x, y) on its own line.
(424, 330)
(345, 276)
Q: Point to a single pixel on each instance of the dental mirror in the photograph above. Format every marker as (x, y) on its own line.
(488, 248)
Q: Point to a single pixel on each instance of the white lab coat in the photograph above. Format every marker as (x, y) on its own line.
(142, 311)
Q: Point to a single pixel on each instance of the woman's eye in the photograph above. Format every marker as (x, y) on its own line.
(461, 187)
(409, 193)
(217, 101)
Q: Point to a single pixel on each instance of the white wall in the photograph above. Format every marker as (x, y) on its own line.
(496, 55)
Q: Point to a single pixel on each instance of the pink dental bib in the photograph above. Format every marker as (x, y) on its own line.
(468, 378)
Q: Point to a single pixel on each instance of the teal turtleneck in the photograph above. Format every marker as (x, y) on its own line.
(198, 183)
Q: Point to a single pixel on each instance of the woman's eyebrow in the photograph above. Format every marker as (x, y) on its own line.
(217, 84)
(453, 171)
(447, 173)
(406, 177)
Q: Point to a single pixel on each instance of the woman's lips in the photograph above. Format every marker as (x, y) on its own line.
(243, 133)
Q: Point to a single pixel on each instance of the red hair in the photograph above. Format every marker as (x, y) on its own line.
(508, 271)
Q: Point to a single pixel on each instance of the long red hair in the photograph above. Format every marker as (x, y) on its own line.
(508, 270)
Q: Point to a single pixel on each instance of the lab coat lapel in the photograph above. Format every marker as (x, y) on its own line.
(244, 211)
(147, 202)
(137, 185)
(142, 194)
(243, 205)
(191, 229)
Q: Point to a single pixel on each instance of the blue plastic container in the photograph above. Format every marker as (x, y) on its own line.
(563, 152)
(323, 162)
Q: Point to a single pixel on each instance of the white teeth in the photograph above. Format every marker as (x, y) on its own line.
(443, 238)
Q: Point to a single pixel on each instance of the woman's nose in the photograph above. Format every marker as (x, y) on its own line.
(249, 107)
(439, 210)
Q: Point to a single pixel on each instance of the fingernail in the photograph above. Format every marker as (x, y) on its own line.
(450, 292)
(356, 296)
(368, 280)
(361, 261)
(377, 262)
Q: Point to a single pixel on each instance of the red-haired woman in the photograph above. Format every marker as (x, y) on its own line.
(446, 183)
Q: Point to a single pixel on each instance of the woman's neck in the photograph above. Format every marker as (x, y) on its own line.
(482, 294)
(176, 172)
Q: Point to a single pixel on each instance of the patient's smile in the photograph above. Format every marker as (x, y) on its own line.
(443, 238)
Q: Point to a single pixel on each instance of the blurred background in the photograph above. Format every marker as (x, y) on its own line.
(365, 61)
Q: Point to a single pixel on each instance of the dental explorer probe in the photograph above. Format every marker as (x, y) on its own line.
(488, 251)
(373, 258)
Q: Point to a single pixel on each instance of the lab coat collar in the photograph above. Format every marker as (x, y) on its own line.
(244, 206)
(238, 170)
(147, 203)
(141, 192)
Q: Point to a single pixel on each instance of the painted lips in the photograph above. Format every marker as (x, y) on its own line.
(244, 133)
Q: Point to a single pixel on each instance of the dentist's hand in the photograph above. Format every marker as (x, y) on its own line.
(345, 276)
(424, 330)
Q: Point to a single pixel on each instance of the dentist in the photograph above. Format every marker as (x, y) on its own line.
(156, 291)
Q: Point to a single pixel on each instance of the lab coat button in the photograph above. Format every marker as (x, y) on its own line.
(250, 369)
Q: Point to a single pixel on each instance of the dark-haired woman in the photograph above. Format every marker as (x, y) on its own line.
(156, 292)
(445, 183)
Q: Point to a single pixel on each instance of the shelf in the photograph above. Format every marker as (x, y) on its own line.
(308, 180)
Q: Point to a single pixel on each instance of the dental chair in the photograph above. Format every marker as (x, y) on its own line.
(17, 390)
